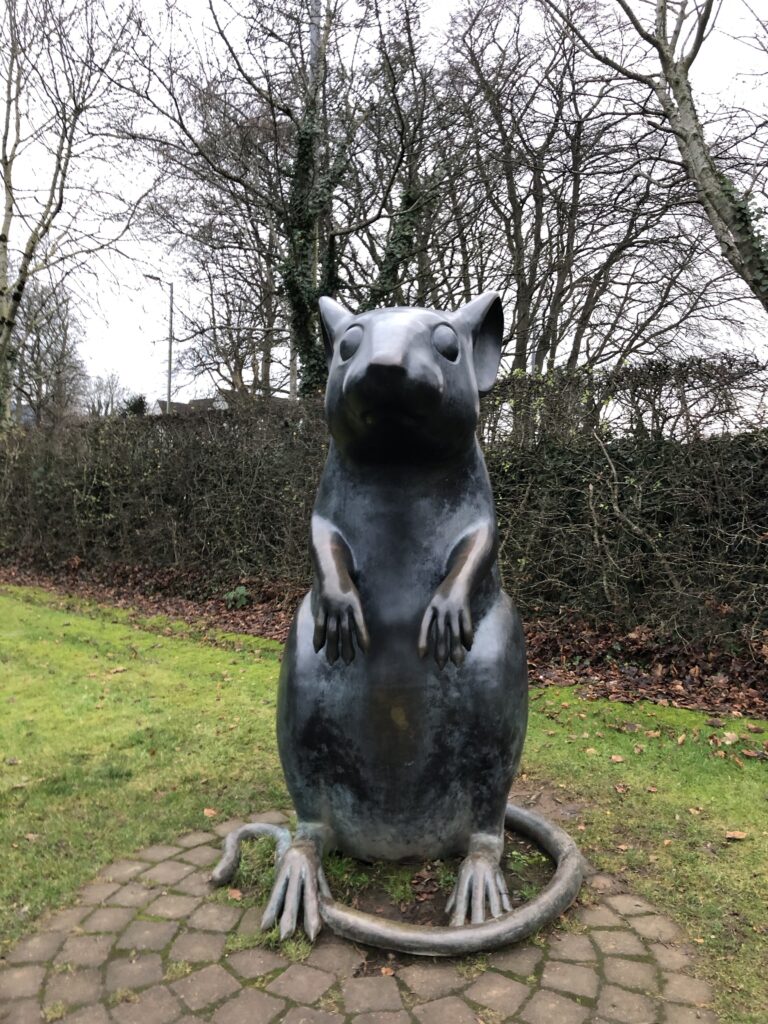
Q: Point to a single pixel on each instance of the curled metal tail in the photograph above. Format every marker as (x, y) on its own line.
(225, 869)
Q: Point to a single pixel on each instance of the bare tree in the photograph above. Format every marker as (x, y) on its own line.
(49, 378)
(58, 63)
(104, 396)
(671, 34)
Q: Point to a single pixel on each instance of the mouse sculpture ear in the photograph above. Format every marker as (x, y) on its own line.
(483, 317)
(332, 316)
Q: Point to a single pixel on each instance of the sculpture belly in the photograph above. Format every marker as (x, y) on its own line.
(398, 758)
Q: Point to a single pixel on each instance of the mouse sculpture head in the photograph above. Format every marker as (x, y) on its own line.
(403, 383)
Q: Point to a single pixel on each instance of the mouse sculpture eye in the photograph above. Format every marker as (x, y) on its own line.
(445, 341)
(350, 343)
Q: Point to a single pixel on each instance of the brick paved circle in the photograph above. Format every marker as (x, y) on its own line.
(149, 942)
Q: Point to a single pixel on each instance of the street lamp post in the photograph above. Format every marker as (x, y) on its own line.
(169, 284)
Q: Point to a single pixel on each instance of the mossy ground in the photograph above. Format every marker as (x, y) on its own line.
(118, 731)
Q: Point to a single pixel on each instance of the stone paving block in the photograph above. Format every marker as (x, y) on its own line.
(250, 924)
(167, 872)
(198, 947)
(195, 884)
(65, 920)
(431, 981)
(122, 871)
(94, 1014)
(657, 927)
(549, 1008)
(631, 974)
(498, 993)
(36, 949)
(127, 972)
(85, 950)
(74, 987)
(680, 988)
(302, 984)
(20, 982)
(133, 894)
(568, 977)
(450, 1010)
(194, 839)
(671, 958)
(155, 1005)
(629, 905)
(676, 1014)
(270, 818)
(564, 946)
(618, 943)
(307, 1015)
(253, 963)
(98, 892)
(204, 987)
(173, 907)
(21, 1011)
(364, 994)
(331, 954)
(215, 917)
(158, 852)
(225, 827)
(200, 856)
(626, 1007)
(522, 960)
(604, 883)
(599, 917)
(108, 919)
(384, 1017)
(147, 935)
(248, 1007)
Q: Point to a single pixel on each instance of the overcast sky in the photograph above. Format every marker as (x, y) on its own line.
(127, 324)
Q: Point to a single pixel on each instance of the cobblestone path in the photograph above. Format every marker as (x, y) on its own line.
(146, 945)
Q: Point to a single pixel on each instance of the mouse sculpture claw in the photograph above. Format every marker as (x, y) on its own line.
(300, 879)
(481, 885)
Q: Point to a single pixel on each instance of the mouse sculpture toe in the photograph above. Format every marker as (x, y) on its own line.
(403, 695)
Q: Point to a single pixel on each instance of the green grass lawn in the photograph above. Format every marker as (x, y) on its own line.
(118, 731)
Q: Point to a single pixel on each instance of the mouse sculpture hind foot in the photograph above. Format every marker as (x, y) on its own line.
(299, 884)
(481, 888)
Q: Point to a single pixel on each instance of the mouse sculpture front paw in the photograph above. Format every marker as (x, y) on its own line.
(299, 879)
(447, 626)
(338, 620)
(481, 888)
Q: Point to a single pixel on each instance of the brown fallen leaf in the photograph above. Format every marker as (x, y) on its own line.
(617, 758)
(715, 723)
(651, 789)
(695, 810)
(750, 753)
(730, 737)
(387, 972)
(667, 842)
(621, 787)
(736, 835)
(209, 812)
(754, 728)
(32, 837)
(681, 739)
(653, 734)
(639, 748)
(117, 671)
(623, 847)
(590, 751)
(234, 894)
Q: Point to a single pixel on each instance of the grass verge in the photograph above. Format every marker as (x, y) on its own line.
(119, 730)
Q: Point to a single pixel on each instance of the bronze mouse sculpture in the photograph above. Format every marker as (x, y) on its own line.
(402, 703)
